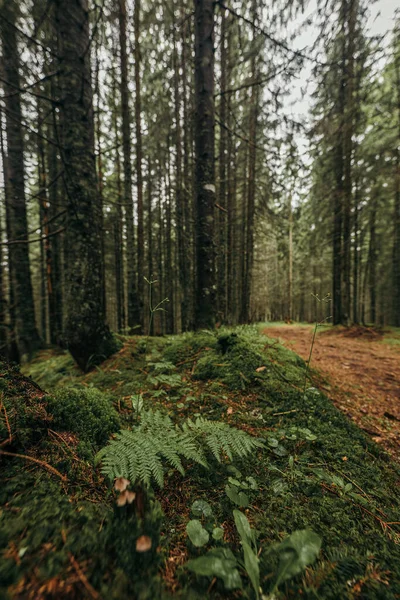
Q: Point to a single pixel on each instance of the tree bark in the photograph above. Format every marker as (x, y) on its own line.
(204, 163)
(222, 209)
(133, 311)
(139, 172)
(87, 336)
(27, 337)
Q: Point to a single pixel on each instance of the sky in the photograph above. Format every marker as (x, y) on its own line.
(381, 21)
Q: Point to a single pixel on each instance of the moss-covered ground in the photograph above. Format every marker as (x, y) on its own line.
(62, 536)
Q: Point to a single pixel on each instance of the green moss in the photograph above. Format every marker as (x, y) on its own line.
(188, 345)
(85, 411)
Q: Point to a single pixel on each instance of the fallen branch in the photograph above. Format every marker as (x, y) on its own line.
(82, 577)
(36, 461)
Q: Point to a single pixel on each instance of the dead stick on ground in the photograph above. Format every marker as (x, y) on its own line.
(9, 439)
(35, 460)
(89, 588)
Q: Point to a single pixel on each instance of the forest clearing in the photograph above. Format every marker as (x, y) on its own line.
(199, 300)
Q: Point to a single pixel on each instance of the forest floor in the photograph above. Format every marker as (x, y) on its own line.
(360, 372)
(64, 536)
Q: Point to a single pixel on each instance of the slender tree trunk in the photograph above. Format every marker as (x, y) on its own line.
(204, 165)
(356, 256)
(139, 173)
(133, 306)
(86, 333)
(187, 189)
(45, 249)
(27, 337)
(222, 200)
(350, 10)
(168, 265)
(372, 281)
(290, 279)
(180, 221)
(396, 215)
(150, 260)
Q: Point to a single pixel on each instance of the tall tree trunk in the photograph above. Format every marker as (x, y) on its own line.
(168, 265)
(180, 221)
(45, 249)
(290, 270)
(150, 265)
(396, 215)
(356, 255)
(222, 210)
(205, 168)
(86, 334)
(350, 14)
(372, 281)
(251, 187)
(139, 173)
(133, 311)
(27, 337)
(187, 195)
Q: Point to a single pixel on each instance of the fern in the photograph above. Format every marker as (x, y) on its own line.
(139, 455)
(222, 439)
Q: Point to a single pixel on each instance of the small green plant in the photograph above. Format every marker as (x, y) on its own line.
(222, 563)
(237, 488)
(139, 455)
(326, 299)
(153, 309)
(200, 529)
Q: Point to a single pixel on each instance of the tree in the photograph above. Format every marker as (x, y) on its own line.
(86, 334)
(204, 167)
(27, 337)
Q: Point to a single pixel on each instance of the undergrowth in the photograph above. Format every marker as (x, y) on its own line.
(317, 471)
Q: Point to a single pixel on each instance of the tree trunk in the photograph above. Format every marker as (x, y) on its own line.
(27, 337)
(86, 334)
(180, 221)
(139, 173)
(372, 281)
(396, 215)
(204, 163)
(222, 210)
(350, 15)
(133, 311)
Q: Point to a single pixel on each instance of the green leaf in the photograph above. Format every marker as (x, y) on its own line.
(252, 567)
(280, 451)
(239, 498)
(201, 508)
(197, 534)
(296, 552)
(218, 562)
(273, 442)
(243, 527)
(218, 533)
(234, 482)
(279, 486)
(252, 483)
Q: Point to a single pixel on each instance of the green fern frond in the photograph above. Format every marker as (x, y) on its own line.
(140, 454)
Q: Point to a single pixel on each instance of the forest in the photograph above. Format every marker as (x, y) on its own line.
(199, 299)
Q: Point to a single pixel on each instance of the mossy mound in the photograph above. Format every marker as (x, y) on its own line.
(86, 412)
(61, 534)
(318, 471)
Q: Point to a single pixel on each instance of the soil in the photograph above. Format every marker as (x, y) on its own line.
(359, 371)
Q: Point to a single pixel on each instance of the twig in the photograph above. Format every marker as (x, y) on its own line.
(82, 577)
(9, 440)
(37, 461)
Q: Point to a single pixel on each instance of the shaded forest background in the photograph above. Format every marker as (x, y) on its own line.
(152, 140)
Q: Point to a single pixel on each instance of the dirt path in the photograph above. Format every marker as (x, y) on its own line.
(361, 374)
